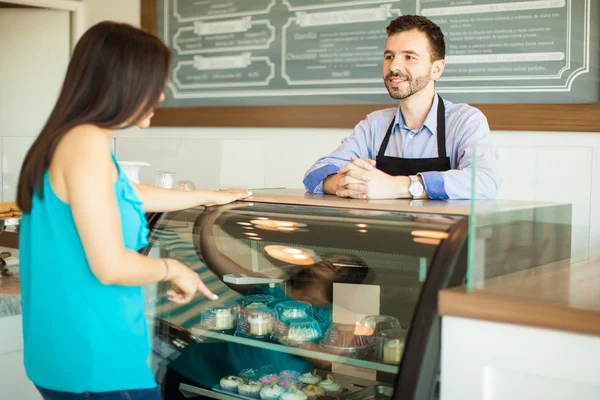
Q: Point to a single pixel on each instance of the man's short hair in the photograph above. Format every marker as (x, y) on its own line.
(404, 23)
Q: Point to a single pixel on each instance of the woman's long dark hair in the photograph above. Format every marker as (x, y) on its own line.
(115, 77)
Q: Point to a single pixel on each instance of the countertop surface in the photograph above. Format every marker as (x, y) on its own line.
(556, 296)
(448, 207)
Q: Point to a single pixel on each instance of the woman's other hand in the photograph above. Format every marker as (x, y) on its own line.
(229, 196)
(185, 283)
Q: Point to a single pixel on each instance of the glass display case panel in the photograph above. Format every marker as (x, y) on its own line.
(320, 299)
(511, 243)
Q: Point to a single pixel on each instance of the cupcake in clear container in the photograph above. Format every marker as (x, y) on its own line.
(390, 346)
(256, 323)
(256, 301)
(250, 389)
(271, 392)
(220, 319)
(230, 383)
(288, 310)
(346, 340)
(379, 323)
(295, 332)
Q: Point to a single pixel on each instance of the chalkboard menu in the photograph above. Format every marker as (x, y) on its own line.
(300, 52)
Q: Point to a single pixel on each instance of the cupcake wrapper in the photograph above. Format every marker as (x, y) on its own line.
(263, 397)
(254, 395)
(232, 389)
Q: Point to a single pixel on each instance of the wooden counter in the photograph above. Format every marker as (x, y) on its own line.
(558, 296)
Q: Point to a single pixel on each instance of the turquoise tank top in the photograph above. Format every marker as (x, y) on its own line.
(80, 335)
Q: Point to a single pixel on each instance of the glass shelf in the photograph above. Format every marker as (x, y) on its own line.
(392, 369)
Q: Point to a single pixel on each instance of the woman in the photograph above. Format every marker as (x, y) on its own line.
(83, 222)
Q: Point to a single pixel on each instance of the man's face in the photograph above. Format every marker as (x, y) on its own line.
(407, 66)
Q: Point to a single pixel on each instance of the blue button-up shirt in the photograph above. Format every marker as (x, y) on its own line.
(467, 133)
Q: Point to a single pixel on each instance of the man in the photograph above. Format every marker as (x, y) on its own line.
(422, 149)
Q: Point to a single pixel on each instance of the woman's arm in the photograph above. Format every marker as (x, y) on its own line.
(157, 199)
(216, 261)
(88, 174)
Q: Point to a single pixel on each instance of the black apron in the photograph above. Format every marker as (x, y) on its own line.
(397, 166)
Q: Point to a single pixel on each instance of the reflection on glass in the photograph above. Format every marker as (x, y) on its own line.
(433, 242)
(185, 185)
(431, 234)
(165, 179)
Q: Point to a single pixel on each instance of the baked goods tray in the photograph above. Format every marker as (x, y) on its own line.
(217, 388)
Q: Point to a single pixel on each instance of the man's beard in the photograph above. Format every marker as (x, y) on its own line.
(414, 85)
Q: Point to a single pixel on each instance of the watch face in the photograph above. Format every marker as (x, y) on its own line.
(416, 189)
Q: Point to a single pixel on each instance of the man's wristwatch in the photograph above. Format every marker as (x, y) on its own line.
(415, 188)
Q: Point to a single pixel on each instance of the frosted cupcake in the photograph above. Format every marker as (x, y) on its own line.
(250, 389)
(271, 392)
(269, 379)
(330, 385)
(287, 383)
(293, 394)
(231, 383)
(312, 391)
(289, 374)
(310, 378)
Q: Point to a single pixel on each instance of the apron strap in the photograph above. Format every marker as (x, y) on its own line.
(441, 128)
(441, 131)
(386, 139)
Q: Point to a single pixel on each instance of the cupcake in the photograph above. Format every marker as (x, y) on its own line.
(248, 374)
(271, 392)
(330, 386)
(287, 383)
(293, 394)
(392, 351)
(310, 378)
(289, 374)
(269, 379)
(231, 383)
(312, 391)
(250, 389)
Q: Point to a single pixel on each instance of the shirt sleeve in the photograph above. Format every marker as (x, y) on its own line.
(475, 154)
(355, 145)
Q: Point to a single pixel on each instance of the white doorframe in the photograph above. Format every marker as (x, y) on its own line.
(75, 7)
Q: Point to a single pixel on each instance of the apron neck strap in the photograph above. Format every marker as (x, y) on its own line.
(441, 131)
(441, 128)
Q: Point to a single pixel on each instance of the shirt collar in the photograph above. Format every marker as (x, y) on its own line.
(430, 121)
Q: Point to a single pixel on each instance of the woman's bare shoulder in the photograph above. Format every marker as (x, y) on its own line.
(81, 145)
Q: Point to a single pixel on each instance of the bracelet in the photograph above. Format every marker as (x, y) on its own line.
(166, 269)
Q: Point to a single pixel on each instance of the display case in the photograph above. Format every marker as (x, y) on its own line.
(319, 297)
